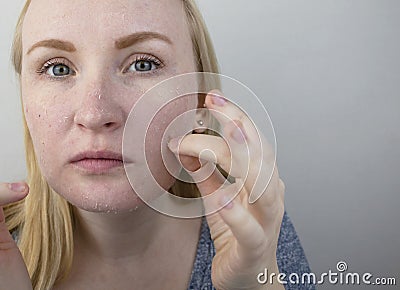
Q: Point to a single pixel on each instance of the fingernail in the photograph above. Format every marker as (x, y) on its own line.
(17, 187)
(173, 144)
(217, 100)
(238, 134)
(224, 202)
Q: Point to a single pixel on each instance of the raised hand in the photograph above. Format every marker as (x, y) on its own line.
(245, 234)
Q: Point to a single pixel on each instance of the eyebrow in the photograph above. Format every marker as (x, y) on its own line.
(54, 43)
(121, 43)
(134, 38)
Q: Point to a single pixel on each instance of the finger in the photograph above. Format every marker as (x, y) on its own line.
(225, 112)
(191, 148)
(269, 208)
(207, 187)
(264, 178)
(212, 183)
(273, 193)
(12, 192)
(243, 138)
(213, 149)
(206, 147)
(249, 234)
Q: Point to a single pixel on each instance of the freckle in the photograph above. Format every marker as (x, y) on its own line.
(39, 116)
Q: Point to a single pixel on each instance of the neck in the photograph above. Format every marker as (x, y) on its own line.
(116, 249)
(123, 236)
(117, 235)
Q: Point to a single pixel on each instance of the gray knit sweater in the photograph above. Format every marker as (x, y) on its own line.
(290, 257)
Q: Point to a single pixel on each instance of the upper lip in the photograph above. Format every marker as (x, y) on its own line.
(97, 155)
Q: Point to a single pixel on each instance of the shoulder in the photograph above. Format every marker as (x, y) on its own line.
(201, 272)
(290, 254)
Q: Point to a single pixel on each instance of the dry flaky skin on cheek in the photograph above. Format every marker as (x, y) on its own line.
(87, 110)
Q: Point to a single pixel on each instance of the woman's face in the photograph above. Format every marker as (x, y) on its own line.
(85, 64)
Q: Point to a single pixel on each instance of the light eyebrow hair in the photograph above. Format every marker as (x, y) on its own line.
(134, 38)
(121, 43)
(54, 43)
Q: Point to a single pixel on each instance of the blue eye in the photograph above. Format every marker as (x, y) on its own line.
(145, 63)
(58, 70)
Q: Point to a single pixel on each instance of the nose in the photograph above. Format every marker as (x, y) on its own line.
(99, 110)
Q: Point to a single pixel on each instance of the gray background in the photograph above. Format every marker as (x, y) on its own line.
(329, 74)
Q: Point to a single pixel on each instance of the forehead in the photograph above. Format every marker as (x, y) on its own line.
(102, 19)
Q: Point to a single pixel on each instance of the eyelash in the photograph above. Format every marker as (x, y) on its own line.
(145, 57)
(60, 61)
(49, 64)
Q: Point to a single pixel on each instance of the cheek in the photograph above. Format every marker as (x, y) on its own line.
(46, 123)
(161, 130)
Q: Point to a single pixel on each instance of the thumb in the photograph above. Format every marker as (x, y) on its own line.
(12, 192)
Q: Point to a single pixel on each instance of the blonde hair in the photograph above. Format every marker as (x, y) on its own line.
(44, 219)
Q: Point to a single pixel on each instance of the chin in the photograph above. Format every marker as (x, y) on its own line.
(107, 192)
(99, 194)
(100, 201)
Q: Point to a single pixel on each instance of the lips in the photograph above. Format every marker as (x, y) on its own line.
(97, 162)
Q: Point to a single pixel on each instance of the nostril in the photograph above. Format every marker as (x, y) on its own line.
(108, 125)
